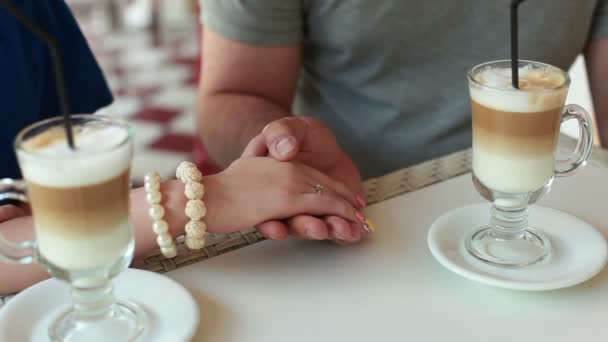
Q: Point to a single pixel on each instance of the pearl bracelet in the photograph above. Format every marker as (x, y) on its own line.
(194, 190)
(157, 212)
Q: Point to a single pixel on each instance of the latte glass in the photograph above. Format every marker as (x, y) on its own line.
(515, 134)
(80, 206)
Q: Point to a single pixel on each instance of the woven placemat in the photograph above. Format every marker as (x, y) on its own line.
(376, 190)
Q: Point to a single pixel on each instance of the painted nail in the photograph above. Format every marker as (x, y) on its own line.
(364, 222)
(361, 201)
(366, 228)
(285, 146)
(360, 216)
(314, 235)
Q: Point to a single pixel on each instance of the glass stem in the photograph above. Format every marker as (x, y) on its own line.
(508, 223)
(94, 303)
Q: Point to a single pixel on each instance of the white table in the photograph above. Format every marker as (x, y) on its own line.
(390, 288)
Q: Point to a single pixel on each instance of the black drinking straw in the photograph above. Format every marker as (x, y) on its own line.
(55, 53)
(514, 43)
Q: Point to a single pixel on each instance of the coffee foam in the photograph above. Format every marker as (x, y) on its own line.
(539, 90)
(49, 160)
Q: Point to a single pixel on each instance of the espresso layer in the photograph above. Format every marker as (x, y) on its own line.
(514, 132)
(516, 123)
(81, 210)
(523, 146)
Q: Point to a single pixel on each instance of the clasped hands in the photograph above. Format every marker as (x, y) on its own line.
(299, 180)
(308, 143)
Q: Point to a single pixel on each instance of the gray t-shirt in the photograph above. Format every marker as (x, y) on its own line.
(389, 76)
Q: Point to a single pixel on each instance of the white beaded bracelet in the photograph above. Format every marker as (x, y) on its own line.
(194, 190)
(157, 212)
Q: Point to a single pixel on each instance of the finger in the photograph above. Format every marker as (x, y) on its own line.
(356, 232)
(339, 229)
(273, 230)
(307, 227)
(10, 211)
(256, 147)
(331, 184)
(356, 235)
(284, 137)
(327, 203)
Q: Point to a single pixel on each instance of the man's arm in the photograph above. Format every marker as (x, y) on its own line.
(596, 57)
(243, 88)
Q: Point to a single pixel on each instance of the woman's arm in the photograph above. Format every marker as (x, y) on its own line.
(250, 191)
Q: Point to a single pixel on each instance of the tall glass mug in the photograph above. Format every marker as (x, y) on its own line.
(515, 133)
(80, 206)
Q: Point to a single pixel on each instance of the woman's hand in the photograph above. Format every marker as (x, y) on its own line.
(11, 211)
(310, 142)
(260, 189)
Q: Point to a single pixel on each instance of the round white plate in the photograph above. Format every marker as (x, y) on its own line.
(579, 250)
(172, 311)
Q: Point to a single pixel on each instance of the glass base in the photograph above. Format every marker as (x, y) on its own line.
(504, 250)
(123, 321)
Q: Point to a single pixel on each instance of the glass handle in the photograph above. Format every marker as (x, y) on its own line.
(25, 252)
(583, 146)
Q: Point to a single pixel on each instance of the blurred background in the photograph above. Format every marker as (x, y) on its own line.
(150, 53)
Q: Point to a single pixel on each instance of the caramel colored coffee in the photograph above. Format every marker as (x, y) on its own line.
(82, 211)
(515, 133)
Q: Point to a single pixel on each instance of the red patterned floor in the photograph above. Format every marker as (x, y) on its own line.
(154, 87)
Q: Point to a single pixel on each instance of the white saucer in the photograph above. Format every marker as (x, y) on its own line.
(173, 313)
(579, 251)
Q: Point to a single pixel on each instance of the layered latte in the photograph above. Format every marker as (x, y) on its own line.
(515, 131)
(79, 198)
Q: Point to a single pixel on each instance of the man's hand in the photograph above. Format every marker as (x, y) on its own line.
(308, 141)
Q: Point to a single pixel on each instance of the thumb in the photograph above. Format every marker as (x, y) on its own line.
(256, 148)
(284, 138)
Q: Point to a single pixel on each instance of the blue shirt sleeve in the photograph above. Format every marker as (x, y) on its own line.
(27, 91)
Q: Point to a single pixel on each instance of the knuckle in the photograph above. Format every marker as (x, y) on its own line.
(275, 127)
(290, 200)
(343, 208)
(289, 182)
(290, 172)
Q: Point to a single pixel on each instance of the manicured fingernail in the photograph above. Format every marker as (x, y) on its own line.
(285, 146)
(368, 226)
(314, 235)
(276, 236)
(361, 201)
(360, 216)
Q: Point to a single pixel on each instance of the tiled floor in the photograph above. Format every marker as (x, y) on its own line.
(154, 86)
